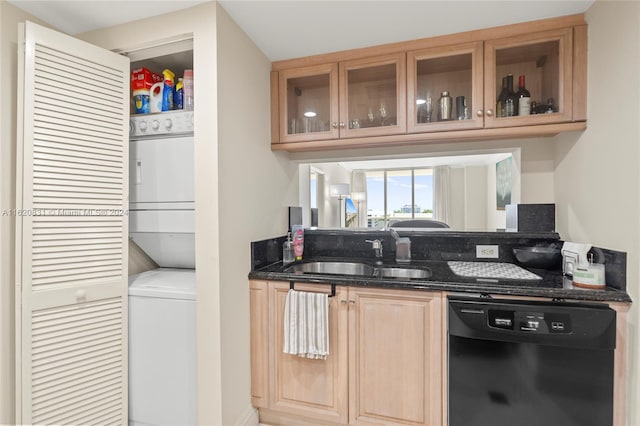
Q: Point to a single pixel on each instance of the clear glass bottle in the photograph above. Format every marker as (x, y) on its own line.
(501, 98)
(510, 103)
(287, 250)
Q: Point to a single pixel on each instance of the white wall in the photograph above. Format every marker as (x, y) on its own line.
(332, 210)
(475, 194)
(597, 179)
(457, 213)
(255, 185)
(10, 16)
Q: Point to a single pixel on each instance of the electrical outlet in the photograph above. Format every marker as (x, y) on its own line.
(486, 252)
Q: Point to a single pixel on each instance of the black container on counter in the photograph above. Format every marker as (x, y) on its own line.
(531, 217)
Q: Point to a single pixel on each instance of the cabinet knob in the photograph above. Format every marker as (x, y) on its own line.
(342, 124)
(489, 112)
(334, 125)
(353, 302)
(344, 302)
(479, 113)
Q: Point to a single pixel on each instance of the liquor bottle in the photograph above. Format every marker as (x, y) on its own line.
(524, 98)
(510, 107)
(501, 98)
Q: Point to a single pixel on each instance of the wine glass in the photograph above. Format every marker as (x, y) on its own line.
(383, 113)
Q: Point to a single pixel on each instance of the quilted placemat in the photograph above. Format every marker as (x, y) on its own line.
(491, 270)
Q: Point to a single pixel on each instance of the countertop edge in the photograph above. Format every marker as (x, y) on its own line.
(610, 295)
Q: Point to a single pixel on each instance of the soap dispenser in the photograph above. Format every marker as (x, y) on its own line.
(287, 250)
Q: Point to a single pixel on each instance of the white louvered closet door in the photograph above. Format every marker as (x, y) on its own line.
(71, 237)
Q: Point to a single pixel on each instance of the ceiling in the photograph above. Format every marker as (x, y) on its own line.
(290, 29)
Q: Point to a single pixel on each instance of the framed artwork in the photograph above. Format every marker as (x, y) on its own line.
(503, 183)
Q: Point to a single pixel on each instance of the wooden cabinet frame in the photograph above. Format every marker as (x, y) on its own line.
(475, 49)
(293, 390)
(564, 37)
(325, 69)
(571, 31)
(397, 59)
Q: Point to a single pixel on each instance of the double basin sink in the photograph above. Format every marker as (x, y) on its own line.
(358, 269)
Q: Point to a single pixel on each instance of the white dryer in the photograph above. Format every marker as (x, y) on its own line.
(162, 347)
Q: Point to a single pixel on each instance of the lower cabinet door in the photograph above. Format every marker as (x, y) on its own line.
(395, 369)
(309, 387)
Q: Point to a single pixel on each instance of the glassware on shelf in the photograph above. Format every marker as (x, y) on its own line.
(425, 110)
(383, 114)
(371, 117)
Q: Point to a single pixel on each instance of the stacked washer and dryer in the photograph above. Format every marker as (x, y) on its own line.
(162, 342)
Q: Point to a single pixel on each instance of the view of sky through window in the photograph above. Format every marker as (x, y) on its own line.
(400, 184)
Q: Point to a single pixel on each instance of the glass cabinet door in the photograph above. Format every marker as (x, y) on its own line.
(372, 96)
(444, 88)
(308, 103)
(544, 61)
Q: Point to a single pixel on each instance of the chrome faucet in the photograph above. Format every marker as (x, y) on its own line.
(377, 247)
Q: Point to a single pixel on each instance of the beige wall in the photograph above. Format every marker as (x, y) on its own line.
(597, 180)
(457, 213)
(255, 187)
(10, 16)
(475, 194)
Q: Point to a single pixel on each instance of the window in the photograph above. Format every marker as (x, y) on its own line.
(399, 194)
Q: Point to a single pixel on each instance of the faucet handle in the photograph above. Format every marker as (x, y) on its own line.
(377, 244)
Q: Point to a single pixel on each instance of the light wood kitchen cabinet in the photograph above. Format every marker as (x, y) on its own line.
(259, 340)
(373, 96)
(308, 101)
(384, 367)
(545, 59)
(308, 387)
(395, 357)
(551, 54)
(456, 69)
(368, 99)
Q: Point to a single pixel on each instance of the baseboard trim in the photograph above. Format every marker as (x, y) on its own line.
(249, 417)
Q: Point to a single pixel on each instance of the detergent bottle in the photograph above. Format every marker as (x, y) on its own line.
(167, 92)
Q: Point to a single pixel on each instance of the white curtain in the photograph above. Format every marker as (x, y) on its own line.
(359, 196)
(441, 193)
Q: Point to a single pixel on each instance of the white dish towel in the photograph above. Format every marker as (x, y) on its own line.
(306, 324)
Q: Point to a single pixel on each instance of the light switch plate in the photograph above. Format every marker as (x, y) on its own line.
(487, 252)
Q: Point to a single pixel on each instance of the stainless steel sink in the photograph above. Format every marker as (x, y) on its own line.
(358, 269)
(407, 273)
(333, 268)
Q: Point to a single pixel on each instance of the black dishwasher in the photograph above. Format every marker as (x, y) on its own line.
(530, 363)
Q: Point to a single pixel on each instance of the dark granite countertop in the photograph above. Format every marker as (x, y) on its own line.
(552, 284)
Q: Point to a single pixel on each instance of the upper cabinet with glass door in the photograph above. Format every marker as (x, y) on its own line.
(444, 88)
(372, 96)
(368, 99)
(308, 103)
(541, 63)
(440, 89)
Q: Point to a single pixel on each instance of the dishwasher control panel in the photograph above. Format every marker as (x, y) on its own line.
(529, 321)
(560, 324)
